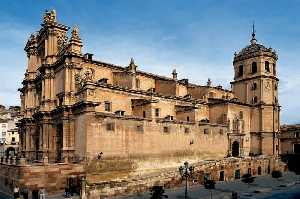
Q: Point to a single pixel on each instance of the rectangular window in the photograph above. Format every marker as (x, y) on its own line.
(188, 118)
(110, 126)
(186, 130)
(166, 129)
(267, 66)
(140, 128)
(3, 125)
(107, 106)
(137, 83)
(221, 132)
(237, 174)
(144, 114)
(157, 112)
(206, 131)
(240, 71)
(222, 176)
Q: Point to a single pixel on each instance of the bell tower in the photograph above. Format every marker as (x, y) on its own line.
(256, 84)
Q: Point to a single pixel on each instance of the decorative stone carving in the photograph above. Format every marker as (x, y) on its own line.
(30, 47)
(85, 75)
(268, 85)
(49, 17)
(69, 65)
(50, 75)
(61, 40)
(132, 66)
(91, 92)
(208, 82)
(75, 33)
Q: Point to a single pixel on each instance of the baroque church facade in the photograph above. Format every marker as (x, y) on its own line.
(75, 108)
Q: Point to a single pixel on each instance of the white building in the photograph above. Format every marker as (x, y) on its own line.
(9, 136)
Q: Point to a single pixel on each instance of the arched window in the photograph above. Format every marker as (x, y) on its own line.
(241, 70)
(254, 86)
(274, 69)
(137, 83)
(267, 66)
(254, 67)
(254, 100)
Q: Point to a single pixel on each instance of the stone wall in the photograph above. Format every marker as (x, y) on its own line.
(139, 138)
(170, 177)
(52, 177)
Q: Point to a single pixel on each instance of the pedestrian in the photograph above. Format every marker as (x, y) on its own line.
(234, 195)
(16, 193)
(25, 193)
(42, 194)
(67, 193)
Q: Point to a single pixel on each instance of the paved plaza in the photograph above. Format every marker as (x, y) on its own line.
(263, 187)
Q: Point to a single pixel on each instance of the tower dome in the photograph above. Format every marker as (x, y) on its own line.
(254, 50)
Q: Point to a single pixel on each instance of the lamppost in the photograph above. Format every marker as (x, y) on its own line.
(186, 172)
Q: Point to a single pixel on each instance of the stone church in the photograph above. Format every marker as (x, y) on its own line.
(76, 108)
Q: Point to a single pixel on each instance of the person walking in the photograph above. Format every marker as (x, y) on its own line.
(42, 194)
(16, 193)
(24, 193)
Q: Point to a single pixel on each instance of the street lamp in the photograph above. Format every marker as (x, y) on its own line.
(186, 172)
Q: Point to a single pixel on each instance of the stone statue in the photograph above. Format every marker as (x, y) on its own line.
(75, 33)
(209, 82)
(50, 17)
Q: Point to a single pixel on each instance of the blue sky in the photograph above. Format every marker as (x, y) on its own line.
(198, 38)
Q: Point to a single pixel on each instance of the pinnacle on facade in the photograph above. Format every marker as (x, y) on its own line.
(131, 61)
(132, 67)
(208, 82)
(75, 33)
(174, 74)
(49, 17)
(75, 42)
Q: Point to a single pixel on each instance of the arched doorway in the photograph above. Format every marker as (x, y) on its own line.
(259, 170)
(235, 149)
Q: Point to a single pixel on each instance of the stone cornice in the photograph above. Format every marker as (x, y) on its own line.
(256, 54)
(212, 124)
(168, 121)
(224, 101)
(82, 106)
(146, 93)
(254, 77)
(125, 117)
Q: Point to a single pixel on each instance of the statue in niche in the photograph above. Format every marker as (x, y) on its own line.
(238, 125)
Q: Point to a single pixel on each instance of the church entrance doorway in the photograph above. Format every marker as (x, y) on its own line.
(235, 149)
